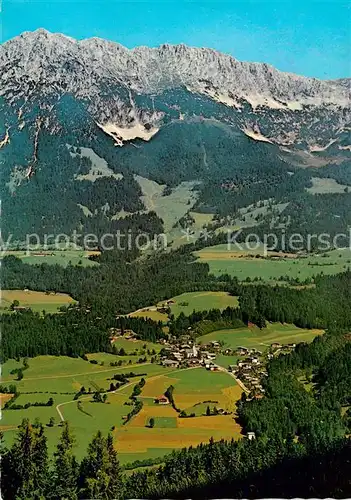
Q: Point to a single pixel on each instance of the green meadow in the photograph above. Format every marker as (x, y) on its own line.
(245, 264)
(199, 381)
(60, 378)
(253, 337)
(54, 257)
(38, 301)
(201, 301)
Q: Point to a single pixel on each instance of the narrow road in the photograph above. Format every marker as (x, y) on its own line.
(120, 389)
(87, 397)
(238, 381)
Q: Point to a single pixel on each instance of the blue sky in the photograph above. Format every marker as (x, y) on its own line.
(310, 37)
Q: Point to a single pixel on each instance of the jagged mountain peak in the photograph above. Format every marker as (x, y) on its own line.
(266, 104)
(177, 113)
(41, 54)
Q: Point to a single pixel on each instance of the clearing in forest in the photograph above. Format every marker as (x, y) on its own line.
(37, 301)
(253, 337)
(55, 257)
(200, 301)
(275, 266)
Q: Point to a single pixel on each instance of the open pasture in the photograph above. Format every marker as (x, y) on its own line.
(192, 389)
(171, 207)
(253, 337)
(54, 257)
(149, 312)
(64, 374)
(37, 301)
(324, 185)
(131, 345)
(61, 378)
(187, 303)
(245, 264)
(201, 301)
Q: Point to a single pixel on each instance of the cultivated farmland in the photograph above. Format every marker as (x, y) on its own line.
(252, 264)
(54, 257)
(194, 390)
(37, 301)
(61, 378)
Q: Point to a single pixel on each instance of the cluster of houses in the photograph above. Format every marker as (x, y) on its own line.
(251, 370)
(117, 333)
(186, 355)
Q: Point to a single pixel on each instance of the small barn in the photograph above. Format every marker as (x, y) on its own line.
(162, 400)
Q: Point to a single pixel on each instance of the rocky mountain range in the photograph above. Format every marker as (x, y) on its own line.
(38, 64)
(180, 114)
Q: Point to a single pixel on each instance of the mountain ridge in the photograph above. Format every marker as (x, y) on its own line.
(176, 113)
(153, 69)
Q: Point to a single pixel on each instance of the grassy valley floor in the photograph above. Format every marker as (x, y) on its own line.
(252, 264)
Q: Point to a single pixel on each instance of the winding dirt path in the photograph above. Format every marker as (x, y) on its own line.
(86, 397)
(120, 389)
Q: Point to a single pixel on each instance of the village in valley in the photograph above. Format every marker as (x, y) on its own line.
(184, 352)
(248, 372)
(155, 393)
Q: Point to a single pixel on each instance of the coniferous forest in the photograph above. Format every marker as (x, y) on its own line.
(118, 166)
(300, 448)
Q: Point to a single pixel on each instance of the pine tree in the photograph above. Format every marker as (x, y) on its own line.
(115, 472)
(100, 474)
(25, 468)
(41, 461)
(65, 467)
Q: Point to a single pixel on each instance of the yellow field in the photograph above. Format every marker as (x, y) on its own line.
(35, 300)
(29, 297)
(142, 418)
(226, 398)
(230, 396)
(190, 432)
(149, 313)
(187, 400)
(157, 385)
(215, 422)
(4, 398)
(192, 387)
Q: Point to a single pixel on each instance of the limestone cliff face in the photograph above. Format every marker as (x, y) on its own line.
(42, 58)
(106, 75)
(80, 121)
